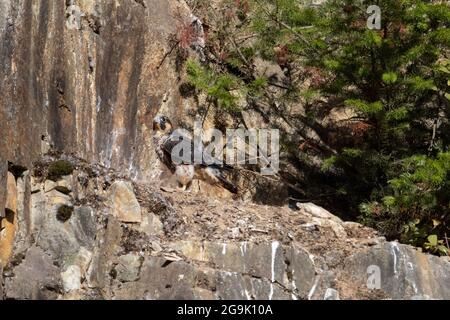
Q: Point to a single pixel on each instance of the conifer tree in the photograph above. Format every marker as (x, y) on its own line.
(395, 78)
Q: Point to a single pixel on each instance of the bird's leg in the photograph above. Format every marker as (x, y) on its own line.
(181, 187)
(188, 187)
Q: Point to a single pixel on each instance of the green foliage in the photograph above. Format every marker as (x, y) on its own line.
(396, 79)
(393, 170)
(328, 164)
(389, 77)
(218, 87)
(58, 169)
(436, 246)
(365, 107)
(417, 202)
(257, 86)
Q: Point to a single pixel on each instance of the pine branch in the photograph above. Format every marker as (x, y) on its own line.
(286, 26)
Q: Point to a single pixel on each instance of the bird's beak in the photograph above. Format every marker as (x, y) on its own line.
(156, 123)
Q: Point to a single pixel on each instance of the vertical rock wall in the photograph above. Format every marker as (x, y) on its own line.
(82, 76)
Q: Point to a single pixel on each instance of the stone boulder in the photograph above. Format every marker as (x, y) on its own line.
(128, 267)
(71, 278)
(8, 224)
(277, 268)
(321, 217)
(62, 239)
(36, 277)
(401, 271)
(11, 193)
(123, 202)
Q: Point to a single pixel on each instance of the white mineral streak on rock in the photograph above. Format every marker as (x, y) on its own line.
(243, 248)
(394, 250)
(271, 291)
(275, 246)
(313, 288)
(294, 287)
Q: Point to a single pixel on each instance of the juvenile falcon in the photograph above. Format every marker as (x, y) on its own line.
(165, 139)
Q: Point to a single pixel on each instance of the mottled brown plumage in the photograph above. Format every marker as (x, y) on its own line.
(165, 140)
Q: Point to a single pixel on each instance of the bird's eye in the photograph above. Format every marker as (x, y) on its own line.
(163, 119)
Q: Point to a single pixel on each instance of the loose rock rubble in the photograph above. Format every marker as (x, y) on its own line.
(131, 240)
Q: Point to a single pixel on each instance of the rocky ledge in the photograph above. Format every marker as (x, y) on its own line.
(88, 233)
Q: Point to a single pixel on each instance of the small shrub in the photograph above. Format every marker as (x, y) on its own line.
(58, 169)
(415, 207)
(64, 213)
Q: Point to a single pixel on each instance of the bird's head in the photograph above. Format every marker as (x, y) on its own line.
(162, 125)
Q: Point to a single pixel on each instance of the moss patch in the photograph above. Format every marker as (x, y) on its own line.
(58, 169)
(64, 213)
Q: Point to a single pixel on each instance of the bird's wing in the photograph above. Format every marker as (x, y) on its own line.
(215, 175)
(175, 139)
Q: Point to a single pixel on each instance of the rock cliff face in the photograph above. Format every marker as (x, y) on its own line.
(85, 77)
(94, 234)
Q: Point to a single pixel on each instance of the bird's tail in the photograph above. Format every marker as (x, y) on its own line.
(227, 184)
(216, 176)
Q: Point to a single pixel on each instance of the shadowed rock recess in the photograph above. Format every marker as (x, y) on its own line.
(79, 86)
